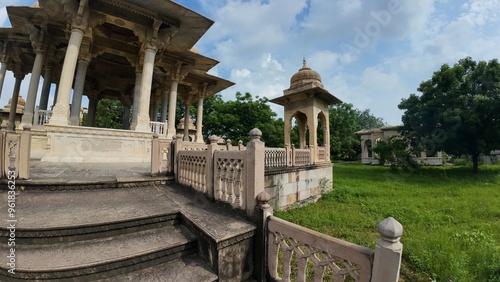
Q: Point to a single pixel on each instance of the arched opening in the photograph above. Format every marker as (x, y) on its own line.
(299, 130)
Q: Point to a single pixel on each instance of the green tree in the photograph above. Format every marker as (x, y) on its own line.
(345, 120)
(458, 111)
(109, 114)
(396, 153)
(234, 119)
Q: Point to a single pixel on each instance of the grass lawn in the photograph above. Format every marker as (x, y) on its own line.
(450, 217)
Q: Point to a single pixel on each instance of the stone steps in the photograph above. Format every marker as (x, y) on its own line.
(107, 256)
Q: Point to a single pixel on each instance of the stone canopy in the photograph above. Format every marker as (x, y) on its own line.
(112, 40)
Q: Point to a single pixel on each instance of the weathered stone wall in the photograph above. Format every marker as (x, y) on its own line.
(297, 185)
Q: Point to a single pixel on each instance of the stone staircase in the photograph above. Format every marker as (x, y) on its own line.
(151, 233)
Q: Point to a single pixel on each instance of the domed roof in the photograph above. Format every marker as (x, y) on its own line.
(305, 75)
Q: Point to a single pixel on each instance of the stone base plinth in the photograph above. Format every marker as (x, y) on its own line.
(295, 185)
(88, 144)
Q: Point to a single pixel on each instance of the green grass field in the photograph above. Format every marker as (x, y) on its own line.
(450, 217)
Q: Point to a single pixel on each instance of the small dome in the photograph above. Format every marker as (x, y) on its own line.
(305, 75)
(35, 5)
(20, 102)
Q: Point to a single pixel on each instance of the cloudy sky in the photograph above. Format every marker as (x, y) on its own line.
(369, 53)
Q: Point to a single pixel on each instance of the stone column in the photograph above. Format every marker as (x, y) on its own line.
(126, 116)
(55, 96)
(171, 109)
(13, 104)
(187, 105)
(147, 78)
(60, 115)
(76, 104)
(137, 97)
(164, 105)
(92, 110)
(199, 121)
(3, 70)
(32, 90)
(47, 82)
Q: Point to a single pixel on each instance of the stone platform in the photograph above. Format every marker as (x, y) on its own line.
(162, 231)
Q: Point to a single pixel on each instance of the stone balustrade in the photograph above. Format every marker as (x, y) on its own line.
(158, 128)
(41, 117)
(318, 256)
(287, 157)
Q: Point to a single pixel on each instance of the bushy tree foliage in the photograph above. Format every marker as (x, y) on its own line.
(458, 111)
(396, 153)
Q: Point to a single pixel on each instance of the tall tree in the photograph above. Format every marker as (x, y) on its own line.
(234, 119)
(458, 111)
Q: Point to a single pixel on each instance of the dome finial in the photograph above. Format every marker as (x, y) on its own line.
(304, 63)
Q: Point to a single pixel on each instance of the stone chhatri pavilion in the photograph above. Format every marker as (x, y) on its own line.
(141, 53)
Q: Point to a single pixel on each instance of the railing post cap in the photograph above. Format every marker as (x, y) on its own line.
(255, 133)
(27, 127)
(155, 135)
(228, 141)
(263, 197)
(3, 127)
(390, 229)
(179, 136)
(213, 139)
(240, 142)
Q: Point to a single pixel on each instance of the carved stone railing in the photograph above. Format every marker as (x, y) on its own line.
(322, 154)
(15, 151)
(159, 128)
(191, 169)
(41, 117)
(230, 177)
(287, 157)
(276, 157)
(314, 256)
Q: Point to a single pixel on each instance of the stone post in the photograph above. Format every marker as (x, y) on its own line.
(388, 251)
(13, 104)
(155, 155)
(199, 121)
(171, 109)
(147, 78)
(137, 97)
(262, 211)
(76, 104)
(47, 82)
(32, 90)
(255, 155)
(3, 71)
(211, 148)
(24, 153)
(60, 115)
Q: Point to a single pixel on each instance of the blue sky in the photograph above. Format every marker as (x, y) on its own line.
(369, 53)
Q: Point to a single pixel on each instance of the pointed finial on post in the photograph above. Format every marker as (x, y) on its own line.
(304, 63)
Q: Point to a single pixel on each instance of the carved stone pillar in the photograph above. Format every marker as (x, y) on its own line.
(187, 105)
(92, 110)
(13, 103)
(60, 114)
(33, 89)
(47, 82)
(147, 78)
(199, 121)
(171, 109)
(164, 105)
(137, 97)
(76, 104)
(3, 70)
